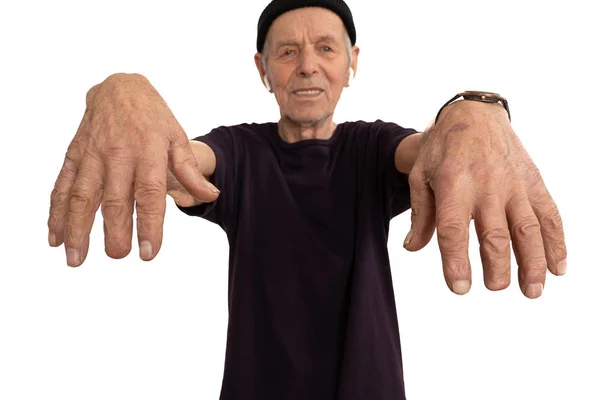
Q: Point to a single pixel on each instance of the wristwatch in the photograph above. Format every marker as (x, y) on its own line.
(486, 97)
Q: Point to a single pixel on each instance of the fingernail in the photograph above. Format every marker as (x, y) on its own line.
(51, 239)
(561, 267)
(212, 187)
(534, 290)
(73, 259)
(145, 250)
(408, 238)
(461, 287)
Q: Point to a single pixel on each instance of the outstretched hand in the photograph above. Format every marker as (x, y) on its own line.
(472, 166)
(126, 143)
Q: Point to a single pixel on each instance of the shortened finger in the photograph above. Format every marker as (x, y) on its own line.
(494, 240)
(527, 244)
(150, 191)
(117, 205)
(184, 166)
(84, 200)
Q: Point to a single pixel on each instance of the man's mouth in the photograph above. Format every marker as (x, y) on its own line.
(307, 92)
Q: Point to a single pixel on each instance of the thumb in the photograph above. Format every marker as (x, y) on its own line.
(184, 166)
(423, 211)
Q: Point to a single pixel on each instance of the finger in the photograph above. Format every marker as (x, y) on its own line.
(59, 196)
(494, 240)
(83, 203)
(117, 204)
(62, 187)
(527, 244)
(150, 191)
(184, 166)
(422, 202)
(551, 227)
(453, 203)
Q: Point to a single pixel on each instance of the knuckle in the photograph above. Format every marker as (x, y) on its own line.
(452, 236)
(417, 179)
(516, 198)
(57, 198)
(494, 179)
(147, 194)
(117, 208)
(119, 153)
(527, 226)
(74, 155)
(414, 179)
(551, 222)
(531, 172)
(79, 202)
(495, 241)
(180, 164)
(53, 222)
(490, 198)
(449, 209)
(151, 212)
(559, 251)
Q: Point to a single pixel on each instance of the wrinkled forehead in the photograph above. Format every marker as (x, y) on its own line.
(307, 25)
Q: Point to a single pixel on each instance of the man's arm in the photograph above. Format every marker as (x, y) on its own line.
(207, 161)
(407, 152)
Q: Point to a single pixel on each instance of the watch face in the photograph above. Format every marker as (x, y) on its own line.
(482, 96)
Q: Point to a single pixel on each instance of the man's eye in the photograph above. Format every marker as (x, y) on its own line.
(327, 49)
(288, 52)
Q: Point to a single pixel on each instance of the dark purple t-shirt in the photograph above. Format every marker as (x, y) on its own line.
(312, 314)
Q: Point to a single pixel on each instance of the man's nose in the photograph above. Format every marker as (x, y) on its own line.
(307, 62)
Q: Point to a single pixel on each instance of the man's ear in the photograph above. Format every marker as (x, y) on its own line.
(262, 72)
(353, 65)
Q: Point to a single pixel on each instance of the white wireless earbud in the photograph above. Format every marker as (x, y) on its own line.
(350, 75)
(267, 83)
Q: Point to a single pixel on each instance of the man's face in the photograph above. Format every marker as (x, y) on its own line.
(307, 63)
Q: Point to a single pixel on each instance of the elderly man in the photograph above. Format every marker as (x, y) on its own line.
(306, 205)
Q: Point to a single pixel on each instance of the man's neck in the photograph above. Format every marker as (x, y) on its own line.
(293, 132)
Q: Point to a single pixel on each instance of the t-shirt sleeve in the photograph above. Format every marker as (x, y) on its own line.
(223, 143)
(393, 184)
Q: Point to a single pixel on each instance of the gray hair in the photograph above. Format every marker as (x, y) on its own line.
(265, 52)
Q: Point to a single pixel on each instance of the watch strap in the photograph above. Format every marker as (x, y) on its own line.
(486, 97)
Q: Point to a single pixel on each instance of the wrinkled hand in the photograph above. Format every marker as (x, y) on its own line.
(472, 166)
(126, 143)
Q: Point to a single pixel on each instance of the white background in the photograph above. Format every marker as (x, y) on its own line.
(132, 330)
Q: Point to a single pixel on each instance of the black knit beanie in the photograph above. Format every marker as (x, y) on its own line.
(278, 7)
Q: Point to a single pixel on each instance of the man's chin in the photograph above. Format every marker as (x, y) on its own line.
(308, 119)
